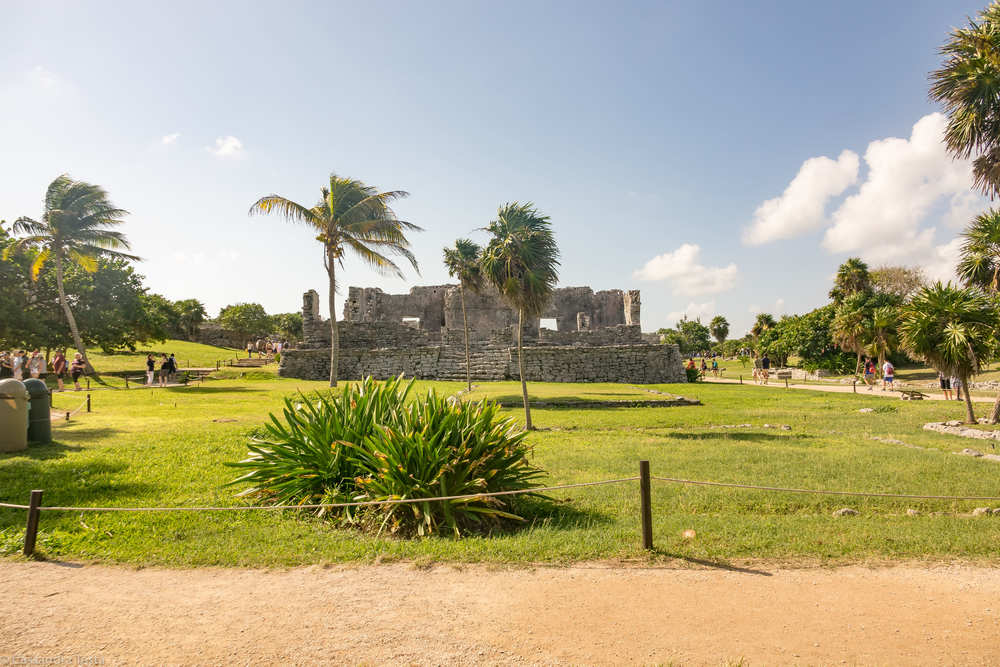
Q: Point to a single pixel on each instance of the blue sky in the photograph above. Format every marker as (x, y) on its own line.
(695, 151)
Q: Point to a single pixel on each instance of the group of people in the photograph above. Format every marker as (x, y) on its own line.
(20, 366)
(705, 368)
(168, 369)
(264, 349)
(871, 370)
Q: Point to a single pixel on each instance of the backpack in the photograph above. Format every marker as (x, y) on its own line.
(889, 368)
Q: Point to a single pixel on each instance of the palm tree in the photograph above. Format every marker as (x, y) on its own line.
(719, 326)
(852, 277)
(349, 216)
(75, 229)
(979, 264)
(952, 329)
(762, 323)
(968, 85)
(849, 326)
(521, 261)
(882, 339)
(462, 262)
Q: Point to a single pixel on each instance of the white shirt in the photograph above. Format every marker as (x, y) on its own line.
(887, 369)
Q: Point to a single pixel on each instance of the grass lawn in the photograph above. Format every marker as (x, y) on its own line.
(188, 354)
(167, 447)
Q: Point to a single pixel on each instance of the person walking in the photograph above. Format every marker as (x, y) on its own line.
(249, 349)
(945, 383)
(765, 367)
(956, 384)
(869, 373)
(150, 369)
(76, 369)
(173, 368)
(888, 374)
(59, 366)
(164, 370)
(5, 361)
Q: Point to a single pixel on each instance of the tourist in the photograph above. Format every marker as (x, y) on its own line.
(150, 369)
(249, 349)
(164, 370)
(715, 367)
(956, 384)
(36, 365)
(704, 367)
(869, 373)
(59, 368)
(945, 383)
(76, 369)
(17, 365)
(5, 362)
(888, 372)
(173, 368)
(260, 348)
(277, 347)
(765, 367)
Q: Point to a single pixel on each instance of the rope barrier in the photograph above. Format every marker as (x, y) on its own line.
(12, 506)
(362, 503)
(820, 491)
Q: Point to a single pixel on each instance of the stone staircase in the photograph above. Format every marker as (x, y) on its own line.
(250, 363)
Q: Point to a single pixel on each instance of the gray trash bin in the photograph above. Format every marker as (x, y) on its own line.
(39, 414)
(13, 416)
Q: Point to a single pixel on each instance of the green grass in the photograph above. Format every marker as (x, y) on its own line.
(187, 354)
(167, 447)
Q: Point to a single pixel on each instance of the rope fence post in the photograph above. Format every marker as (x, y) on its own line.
(126, 382)
(67, 416)
(88, 383)
(645, 505)
(31, 529)
(88, 402)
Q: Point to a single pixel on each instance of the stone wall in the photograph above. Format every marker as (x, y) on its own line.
(642, 364)
(621, 334)
(210, 333)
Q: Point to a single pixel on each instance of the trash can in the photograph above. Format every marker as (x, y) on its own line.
(39, 414)
(13, 416)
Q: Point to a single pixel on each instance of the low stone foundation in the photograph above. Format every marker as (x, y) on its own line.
(640, 364)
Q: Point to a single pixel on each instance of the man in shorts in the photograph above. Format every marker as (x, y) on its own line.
(888, 373)
(765, 367)
(945, 383)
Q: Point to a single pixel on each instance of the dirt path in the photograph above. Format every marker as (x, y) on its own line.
(586, 614)
(932, 394)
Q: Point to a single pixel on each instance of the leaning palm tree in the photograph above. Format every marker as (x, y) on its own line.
(75, 229)
(849, 326)
(462, 262)
(979, 264)
(521, 261)
(952, 329)
(967, 85)
(349, 216)
(852, 277)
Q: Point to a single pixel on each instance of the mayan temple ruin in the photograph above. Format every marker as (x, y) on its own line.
(597, 338)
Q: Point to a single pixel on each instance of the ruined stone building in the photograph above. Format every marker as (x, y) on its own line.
(596, 338)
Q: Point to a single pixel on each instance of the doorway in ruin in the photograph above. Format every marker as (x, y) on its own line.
(549, 323)
(412, 322)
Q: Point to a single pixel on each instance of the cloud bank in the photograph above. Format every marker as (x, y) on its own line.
(227, 146)
(687, 276)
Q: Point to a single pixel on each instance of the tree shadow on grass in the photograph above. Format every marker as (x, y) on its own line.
(92, 483)
(514, 401)
(210, 390)
(554, 513)
(41, 451)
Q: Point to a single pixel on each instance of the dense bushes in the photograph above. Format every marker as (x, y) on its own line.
(369, 441)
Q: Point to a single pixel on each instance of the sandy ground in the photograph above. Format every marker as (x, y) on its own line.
(932, 394)
(585, 614)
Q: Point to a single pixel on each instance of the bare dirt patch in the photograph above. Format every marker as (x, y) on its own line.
(585, 614)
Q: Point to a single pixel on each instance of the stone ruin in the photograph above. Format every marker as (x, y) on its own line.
(597, 338)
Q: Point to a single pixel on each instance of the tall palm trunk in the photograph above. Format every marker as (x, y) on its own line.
(465, 323)
(73, 330)
(995, 412)
(331, 269)
(520, 369)
(970, 416)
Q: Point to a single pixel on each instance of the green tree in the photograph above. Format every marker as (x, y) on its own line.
(849, 327)
(191, 314)
(979, 264)
(246, 319)
(882, 339)
(761, 323)
(899, 282)
(852, 278)
(289, 325)
(76, 228)
(953, 330)
(349, 216)
(968, 85)
(463, 262)
(694, 335)
(521, 261)
(719, 327)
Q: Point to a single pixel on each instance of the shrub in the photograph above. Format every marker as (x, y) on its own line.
(367, 441)
(693, 374)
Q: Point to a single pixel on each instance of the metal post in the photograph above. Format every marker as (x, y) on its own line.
(88, 402)
(31, 530)
(645, 505)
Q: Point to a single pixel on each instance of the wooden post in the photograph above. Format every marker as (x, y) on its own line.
(786, 383)
(88, 384)
(854, 385)
(67, 416)
(31, 530)
(645, 506)
(126, 382)
(741, 379)
(88, 402)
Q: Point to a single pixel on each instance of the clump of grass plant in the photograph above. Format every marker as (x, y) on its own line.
(370, 441)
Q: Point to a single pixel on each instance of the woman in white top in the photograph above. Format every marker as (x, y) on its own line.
(37, 364)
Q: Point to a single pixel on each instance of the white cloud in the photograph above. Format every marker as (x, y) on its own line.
(227, 146)
(777, 309)
(169, 139)
(687, 275)
(705, 311)
(43, 78)
(912, 187)
(800, 208)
